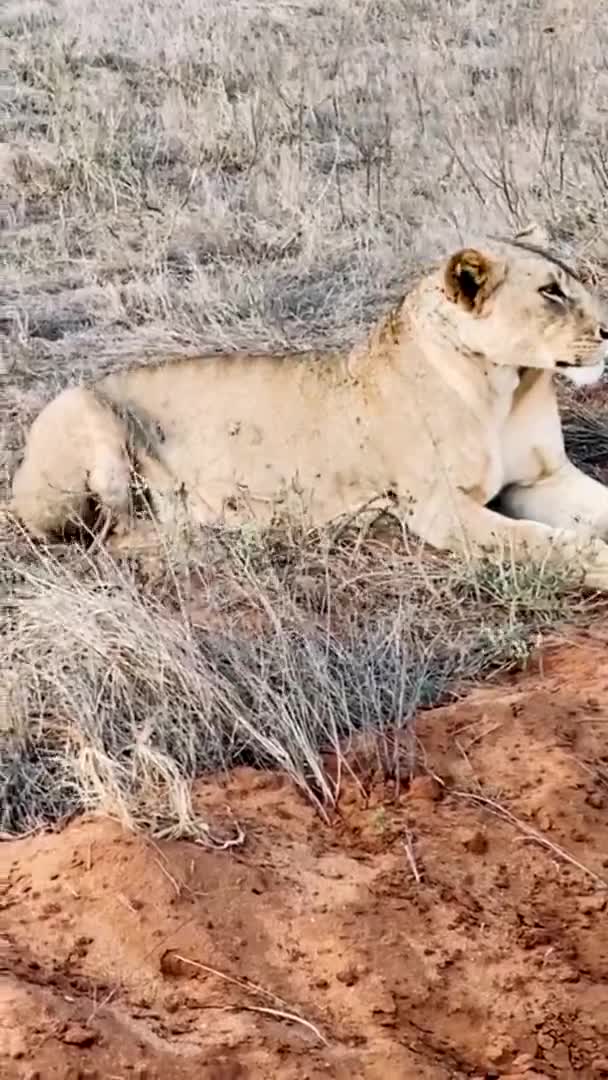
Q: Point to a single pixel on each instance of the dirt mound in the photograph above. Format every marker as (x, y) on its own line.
(454, 928)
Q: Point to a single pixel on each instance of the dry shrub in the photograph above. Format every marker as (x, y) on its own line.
(117, 692)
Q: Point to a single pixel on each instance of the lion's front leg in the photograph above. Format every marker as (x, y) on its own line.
(457, 523)
(566, 499)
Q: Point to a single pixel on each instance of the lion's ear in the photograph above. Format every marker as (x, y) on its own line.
(534, 233)
(470, 277)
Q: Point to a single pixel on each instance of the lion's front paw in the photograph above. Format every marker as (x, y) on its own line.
(596, 568)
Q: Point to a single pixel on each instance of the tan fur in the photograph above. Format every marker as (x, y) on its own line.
(448, 404)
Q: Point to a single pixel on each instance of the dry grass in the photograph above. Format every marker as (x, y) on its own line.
(119, 691)
(192, 175)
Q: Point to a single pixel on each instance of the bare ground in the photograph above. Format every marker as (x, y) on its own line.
(313, 950)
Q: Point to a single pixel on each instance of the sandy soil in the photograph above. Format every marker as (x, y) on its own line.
(313, 950)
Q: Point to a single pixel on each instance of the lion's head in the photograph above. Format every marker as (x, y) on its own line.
(518, 305)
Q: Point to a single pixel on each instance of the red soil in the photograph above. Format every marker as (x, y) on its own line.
(123, 958)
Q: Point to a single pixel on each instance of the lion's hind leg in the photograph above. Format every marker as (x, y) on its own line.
(75, 466)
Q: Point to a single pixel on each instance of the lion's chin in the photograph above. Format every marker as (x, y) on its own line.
(584, 376)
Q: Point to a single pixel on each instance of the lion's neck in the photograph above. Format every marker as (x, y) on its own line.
(471, 374)
(417, 337)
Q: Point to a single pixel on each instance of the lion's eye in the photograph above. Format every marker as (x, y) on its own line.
(552, 291)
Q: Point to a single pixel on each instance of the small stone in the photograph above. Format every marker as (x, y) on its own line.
(50, 909)
(528, 1045)
(172, 964)
(501, 877)
(476, 842)
(545, 1041)
(425, 787)
(589, 904)
(580, 836)
(349, 976)
(559, 1058)
(499, 1051)
(596, 799)
(523, 1061)
(79, 1035)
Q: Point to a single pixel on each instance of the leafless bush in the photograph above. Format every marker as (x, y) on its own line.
(116, 695)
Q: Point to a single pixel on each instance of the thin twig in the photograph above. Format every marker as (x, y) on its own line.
(244, 984)
(177, 885)
(467, 760)
(127, 903)
(285, 1016)
(254, 988)
(102, 1004)
(530, 833)
(264, 1009)
(408, 845)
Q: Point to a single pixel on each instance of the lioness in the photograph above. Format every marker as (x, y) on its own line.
(447, 405)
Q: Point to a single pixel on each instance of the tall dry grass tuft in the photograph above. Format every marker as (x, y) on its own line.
(117, 694)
